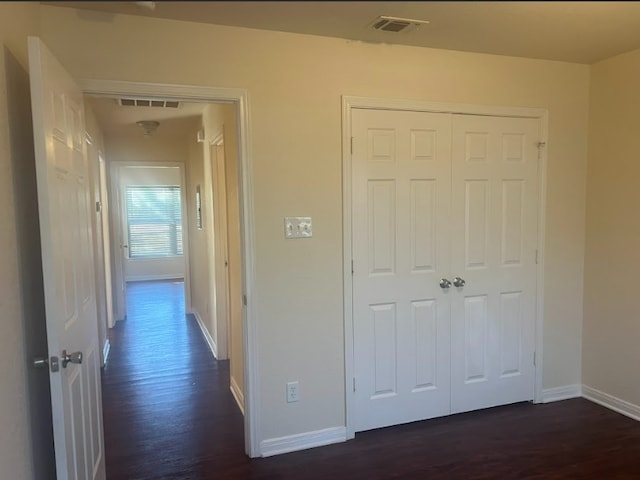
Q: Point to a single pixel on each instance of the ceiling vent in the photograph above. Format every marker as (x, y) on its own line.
(396, 24)
(147, 102)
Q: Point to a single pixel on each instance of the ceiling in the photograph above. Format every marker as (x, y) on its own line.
(118, 120)
(581, 32)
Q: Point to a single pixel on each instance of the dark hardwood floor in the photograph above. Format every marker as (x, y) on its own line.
(168, 414)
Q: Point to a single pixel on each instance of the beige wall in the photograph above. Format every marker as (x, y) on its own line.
(220, 120)
(139, 148)
(236, 345)
(93, 152)
(295, 83)
(211, 120)
(25, 413)
(611, 322)
(199, 250)
(209, 297)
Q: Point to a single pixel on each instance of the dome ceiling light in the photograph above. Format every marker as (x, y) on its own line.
(148, 126)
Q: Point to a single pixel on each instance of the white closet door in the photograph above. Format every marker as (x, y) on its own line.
(494, 240)
(401, 176)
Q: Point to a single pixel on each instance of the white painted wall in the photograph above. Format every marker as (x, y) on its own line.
(136, 269)
(220, 120)
(135, 147)
(236, 347)
(612, 321)
(200, 245)
(295, 83)
(101, 254)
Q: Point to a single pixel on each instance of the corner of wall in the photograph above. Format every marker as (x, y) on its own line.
(611, 402)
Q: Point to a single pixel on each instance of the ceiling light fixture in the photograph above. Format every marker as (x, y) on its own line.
(148, 126)
(386, 23)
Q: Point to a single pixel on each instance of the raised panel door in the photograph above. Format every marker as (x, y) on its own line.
(494, 240)
(67, 262)
(401, 190)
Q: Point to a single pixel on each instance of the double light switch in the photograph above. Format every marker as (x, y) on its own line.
(297, 227)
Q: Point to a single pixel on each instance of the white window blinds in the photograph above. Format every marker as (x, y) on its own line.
(154, 221)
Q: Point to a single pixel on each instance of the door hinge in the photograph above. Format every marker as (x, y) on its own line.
(351, 145)
(354, 384)
(352, 270)
(534, 359)
(244, 300)
(541, 145)
(536, 256)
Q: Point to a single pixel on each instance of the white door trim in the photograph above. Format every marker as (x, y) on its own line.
(351, 102)
(216, 228)
(240, 98)
(116, 238)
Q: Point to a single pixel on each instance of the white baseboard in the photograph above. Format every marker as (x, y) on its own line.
(611, 402)
(561, 393)
(302, 441)
(106, 348)
(237, 394)
(207, 336)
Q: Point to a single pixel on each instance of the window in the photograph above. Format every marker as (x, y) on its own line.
(154, 221)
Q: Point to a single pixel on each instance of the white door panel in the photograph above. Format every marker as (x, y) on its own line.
(401, 172)
(494, 236)
(441, 196)
(120, 246)
(67, 258)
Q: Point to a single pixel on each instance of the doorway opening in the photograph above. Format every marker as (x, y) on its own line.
(148, 223)
(217, 241)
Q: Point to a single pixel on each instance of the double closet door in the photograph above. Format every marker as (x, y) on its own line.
(444, 210)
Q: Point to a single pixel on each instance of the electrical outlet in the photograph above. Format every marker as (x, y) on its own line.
(293, 392)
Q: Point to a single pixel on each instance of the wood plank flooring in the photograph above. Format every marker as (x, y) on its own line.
(169, 414)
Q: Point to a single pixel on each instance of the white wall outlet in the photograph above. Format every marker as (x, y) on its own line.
(298, 227)
(293, 392)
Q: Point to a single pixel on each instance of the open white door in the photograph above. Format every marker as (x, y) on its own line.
(68, 268)
(119, 247)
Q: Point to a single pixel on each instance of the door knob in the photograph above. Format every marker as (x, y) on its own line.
(458, 282)
(444, 283)
(75, 357)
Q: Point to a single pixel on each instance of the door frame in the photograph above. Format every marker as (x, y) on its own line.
(240, 98)
(217, 228)
(105, 218)
(116, 237)
(352, 102)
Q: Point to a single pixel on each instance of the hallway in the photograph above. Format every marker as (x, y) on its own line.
(168, 411)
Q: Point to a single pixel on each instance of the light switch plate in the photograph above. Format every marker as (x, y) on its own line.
(297, 227)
